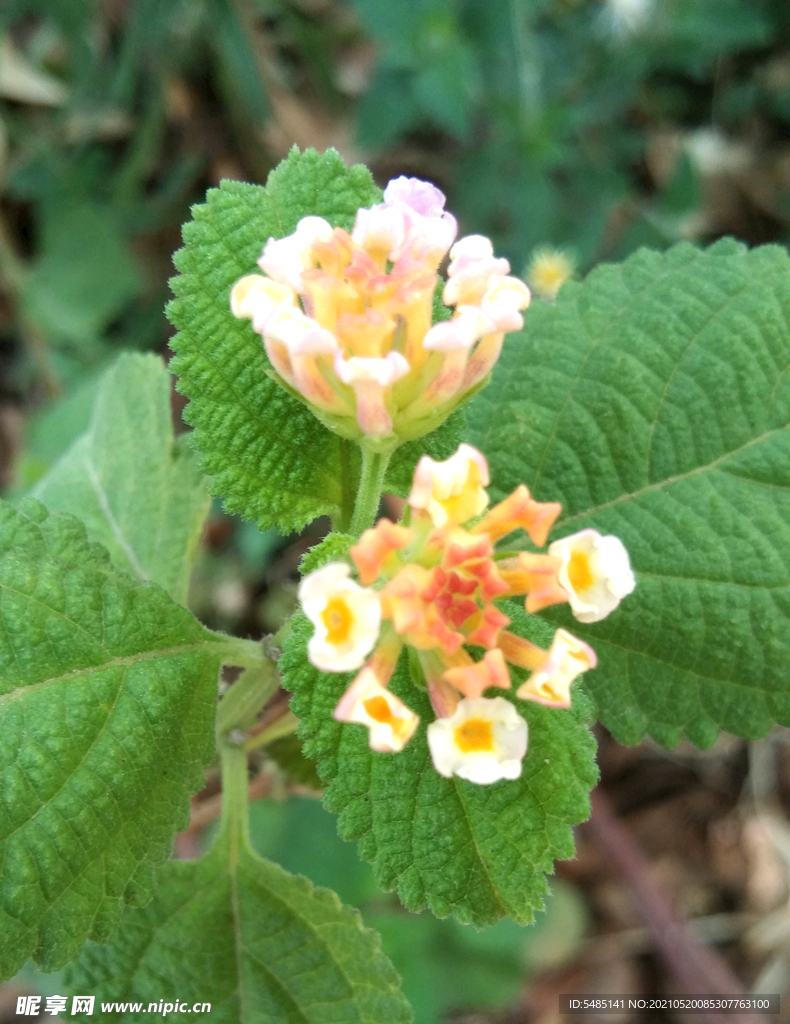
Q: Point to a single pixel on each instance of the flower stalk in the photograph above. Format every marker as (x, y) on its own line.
(371, 485)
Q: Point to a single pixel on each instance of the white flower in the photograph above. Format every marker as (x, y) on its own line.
(285, 259)
(595, 573)
(453, 490)
(503, 299)
(390, 722)
(421, 196)
(427, 227)
(469, 325)
(484, 741)
(370, 377)
(346, 617)
(411, 218)
(300, 333)
(258, 298)
(380, 230)
(550, 684)
(472, 266)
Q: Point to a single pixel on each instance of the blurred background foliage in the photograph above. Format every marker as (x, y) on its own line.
(589, 126)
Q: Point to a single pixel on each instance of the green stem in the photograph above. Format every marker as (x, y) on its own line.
(244, 653)
(235, 822)
(285, 726)
(241, 704)
(371, 484)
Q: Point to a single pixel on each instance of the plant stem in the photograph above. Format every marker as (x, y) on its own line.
(283, 726)
(241, 704)
(244, 653)
(235, 821)
(371, 484)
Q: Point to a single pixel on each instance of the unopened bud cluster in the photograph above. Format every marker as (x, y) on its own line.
(347, 320)
(432, 583)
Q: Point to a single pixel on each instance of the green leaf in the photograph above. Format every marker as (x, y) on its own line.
(332, 548)
(268, 456)
(260, 945)
(479, 852)
(444, 965)
(653, 401)
(137, 490)
(107, 697)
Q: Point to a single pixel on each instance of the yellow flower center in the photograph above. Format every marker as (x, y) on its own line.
(476, 734)
(550, 275)
(379, 710)
(338, 619)
(579, 573)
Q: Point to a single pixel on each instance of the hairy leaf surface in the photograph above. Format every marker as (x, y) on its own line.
(479, 852)
(139, 493)
(261, 945)
(268, 457)
(107, 695)
(653, 400)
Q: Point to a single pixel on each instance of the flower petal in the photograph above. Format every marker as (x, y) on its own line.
(484, 741)
(372, 553)
(257, 298)
(371, 379)
(284, 259)
(566, 659)
(347, 618)
(391, 724)
(594, 572)
(451, 491)
(520, 511)
(473, 680)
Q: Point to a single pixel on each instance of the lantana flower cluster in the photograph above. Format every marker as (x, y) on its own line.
(347, 319)
(432, 583)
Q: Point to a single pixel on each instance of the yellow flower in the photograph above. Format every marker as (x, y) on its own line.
(548, 270)
(346, 320)
(550, 683)
(451, 491)
(432, 587)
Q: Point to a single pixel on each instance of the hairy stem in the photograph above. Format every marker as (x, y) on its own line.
(285, 725)
(371, 484)
(245, 699)
(235, 821)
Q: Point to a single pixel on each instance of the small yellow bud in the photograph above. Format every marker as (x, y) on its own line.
(548, 270)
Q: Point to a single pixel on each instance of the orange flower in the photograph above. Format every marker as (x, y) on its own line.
(435, 584)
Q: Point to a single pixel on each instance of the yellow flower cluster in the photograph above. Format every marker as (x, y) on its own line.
(431, 583)
(347, 319)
